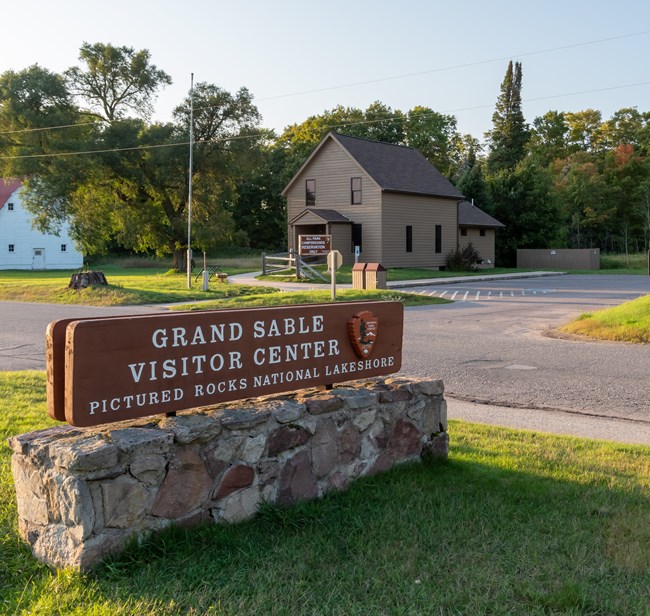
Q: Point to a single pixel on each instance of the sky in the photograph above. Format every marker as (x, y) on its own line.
(300, 58)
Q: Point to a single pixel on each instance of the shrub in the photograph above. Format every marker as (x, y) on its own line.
(466, 260)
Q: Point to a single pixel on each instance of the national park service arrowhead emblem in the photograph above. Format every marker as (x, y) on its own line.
(363, 328)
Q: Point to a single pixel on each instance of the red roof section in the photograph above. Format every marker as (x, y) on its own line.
(7, 188)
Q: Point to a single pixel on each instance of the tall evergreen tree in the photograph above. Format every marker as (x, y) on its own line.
(509, 135)
(471, 181)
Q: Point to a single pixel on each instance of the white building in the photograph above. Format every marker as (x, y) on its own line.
(21, 246)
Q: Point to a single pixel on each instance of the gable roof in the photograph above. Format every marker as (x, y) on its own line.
(471, 216)
(323, 215)
(395, 168)
(7, 188)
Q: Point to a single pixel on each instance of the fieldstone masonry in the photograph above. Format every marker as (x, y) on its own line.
(82, 493)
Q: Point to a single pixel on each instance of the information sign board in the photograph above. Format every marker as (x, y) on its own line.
(314, 245)
(129, 367)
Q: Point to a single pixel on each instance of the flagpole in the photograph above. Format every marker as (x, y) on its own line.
(189, 192)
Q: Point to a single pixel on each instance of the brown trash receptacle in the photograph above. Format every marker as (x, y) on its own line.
(375, 276)
(359, 275)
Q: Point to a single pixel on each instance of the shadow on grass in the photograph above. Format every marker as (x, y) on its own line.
(474, 535)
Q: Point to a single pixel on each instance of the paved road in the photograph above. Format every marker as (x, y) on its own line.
(491, 347)
(495, 349)
(22, 329)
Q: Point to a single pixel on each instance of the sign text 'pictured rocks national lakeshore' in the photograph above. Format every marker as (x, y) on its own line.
(111, 369)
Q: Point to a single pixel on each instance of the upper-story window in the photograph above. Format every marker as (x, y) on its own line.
(355, 190)
(64, 247)
(310, 192)
(10, 207)
(12, 248)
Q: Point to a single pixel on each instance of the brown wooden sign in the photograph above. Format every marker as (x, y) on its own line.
(129, 367)
(313, 245)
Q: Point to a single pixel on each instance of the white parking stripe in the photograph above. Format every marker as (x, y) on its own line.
(478, 294)
(443, 294)
(465, 296)
(454, 295)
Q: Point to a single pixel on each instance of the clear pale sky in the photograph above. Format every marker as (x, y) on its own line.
(299, 57)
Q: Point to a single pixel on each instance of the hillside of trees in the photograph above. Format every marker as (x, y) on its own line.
(90, 153)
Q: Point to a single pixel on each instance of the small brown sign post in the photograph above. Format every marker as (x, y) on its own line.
(314, 245)
(129, 367)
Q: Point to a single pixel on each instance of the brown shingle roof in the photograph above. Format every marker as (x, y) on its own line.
(396, 168)
(326, 215)
(471, 216)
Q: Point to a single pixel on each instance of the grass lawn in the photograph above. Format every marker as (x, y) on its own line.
(344, 275)
(311, 297)
(629, 322)
(514, 523)
(137, 286)
(133, 286)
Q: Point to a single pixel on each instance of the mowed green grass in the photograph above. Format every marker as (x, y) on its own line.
(344, 274)
(138, 286)
(127, 286)
(514, 523)
(629, 322)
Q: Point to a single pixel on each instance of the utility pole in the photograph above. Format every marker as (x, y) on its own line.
(189, 192)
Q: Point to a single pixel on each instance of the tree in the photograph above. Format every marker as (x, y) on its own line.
(524, 203)
(259, 210)
(549, 137)
(583, 196)
(115, 80)
(435, 136)
(585, 130)
(471, 181)
(32, 101)
(509, 135)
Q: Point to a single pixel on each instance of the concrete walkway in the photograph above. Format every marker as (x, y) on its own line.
(250, 279)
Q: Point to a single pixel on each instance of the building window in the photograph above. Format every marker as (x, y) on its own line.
(357, 237)
(10, 207)
(463, 232)
(64, 247)
(355, 188)
(438, 239)
(409, 238)
(11, 248)
(482, 232)
(310, 192)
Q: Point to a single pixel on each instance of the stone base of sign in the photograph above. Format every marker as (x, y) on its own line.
(83, 493)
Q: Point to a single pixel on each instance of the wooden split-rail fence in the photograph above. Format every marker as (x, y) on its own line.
(285, 264)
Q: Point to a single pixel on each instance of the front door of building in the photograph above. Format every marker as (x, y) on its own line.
(38, 260)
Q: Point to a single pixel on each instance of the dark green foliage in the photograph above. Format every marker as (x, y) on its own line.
(471, 182)
(466, 260)
(509, 135)
(524, 202)
(259, 210)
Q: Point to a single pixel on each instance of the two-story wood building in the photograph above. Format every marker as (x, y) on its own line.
(388, 200)
(22, 246)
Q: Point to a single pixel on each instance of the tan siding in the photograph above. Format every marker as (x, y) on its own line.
(342, 240)
(484, 245)
(423, 214)
(333, 168)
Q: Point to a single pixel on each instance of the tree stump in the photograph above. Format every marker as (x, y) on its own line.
(82, 280)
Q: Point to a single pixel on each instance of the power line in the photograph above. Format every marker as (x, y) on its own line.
(332, 126)
(455, 67)
(33, 130)
(402, 76)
